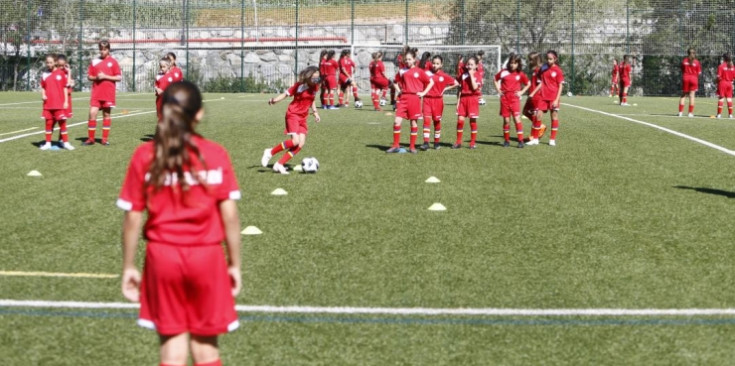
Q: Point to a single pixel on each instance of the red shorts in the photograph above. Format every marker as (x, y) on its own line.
(343, 80)
(295, 124)
(54, 114)
(409, 107)
(101, 104)
(378, 83)
(530, 107)
(469, 106)
(186, 289)
(724, 89)
(331, 82)
(624, 83)
(615, 80)
(510, 105)
(546, 105)
(689, 84)
(433, 108)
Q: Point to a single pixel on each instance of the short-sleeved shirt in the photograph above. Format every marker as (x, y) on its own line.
(551, 80)
(164, 80)
(441, 81)
(176, 74)
(330, 68)
(466, 84)
(624, 71)
(413, 80)
(179, 217)
(535, 78)
(303, 97)
(54, 84)
(377, 70)
(615, 71)
(104, 90)
(346, 66)
(511, 81)
(690, 68)
(726, 73)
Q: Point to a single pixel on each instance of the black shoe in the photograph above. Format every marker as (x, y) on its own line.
(506, 144)
(88, 142)
(457, 146)
(521, 145)
(437, 147)
(412, 151)
(424, 147)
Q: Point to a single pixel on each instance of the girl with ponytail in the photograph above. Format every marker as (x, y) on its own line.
(187, 186)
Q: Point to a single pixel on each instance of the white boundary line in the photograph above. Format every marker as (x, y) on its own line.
(394, 311)
(10, 133)
(676, 133)
(56, 274)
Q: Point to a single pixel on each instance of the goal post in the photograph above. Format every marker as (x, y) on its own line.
(362, 55)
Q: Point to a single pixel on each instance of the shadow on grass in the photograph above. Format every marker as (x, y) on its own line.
(147, 138)
(380, 147)
(717, 192)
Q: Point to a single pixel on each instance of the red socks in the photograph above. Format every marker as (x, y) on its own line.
(91, 128)
(213, 363)
(625, 97)
(506, 132)
(554, 127)
(681, 108)
(460, 130)
(341, 97)
(427, 129)
(719, 107)
(286, 145)
(49, 129)
(289, 154)
(729, 108)
(106, 129)
(519, 131)
(396, 135)
(691, 108)
(63, 132)
(414, 135)
(473, 133)
(437, 132)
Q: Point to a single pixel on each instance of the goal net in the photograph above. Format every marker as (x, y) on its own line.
(362, 55)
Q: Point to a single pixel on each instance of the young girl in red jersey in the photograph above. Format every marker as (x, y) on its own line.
(624, 70)
(725, 76)
(55, 101)
(330, 78)
(165, 77)
(64, 66)
(378, 82)
(434, 102)
(188, 188)
(614, 85)
(324, 88)
(549, 91)
(303, 93)
(412, 84)
(426, 63)
(346, 78)
(469, 102)
(529, 108)
(104, 72)
(690, 70)
(511, 84)
(176, 72)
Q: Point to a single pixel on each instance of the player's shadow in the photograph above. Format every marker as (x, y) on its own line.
(148, 137)
(82, 139)
(492, 143)
(718, 192)
(379, 147)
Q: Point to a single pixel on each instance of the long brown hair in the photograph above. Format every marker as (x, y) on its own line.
(173, 140)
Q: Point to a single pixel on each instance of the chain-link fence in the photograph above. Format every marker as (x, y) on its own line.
(258, 45)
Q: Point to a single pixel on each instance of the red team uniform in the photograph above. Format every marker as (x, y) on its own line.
(411, 81)
(54, 85)
(347, 67)
(468, 106)
(69, 113)
(510, 84)
(551, 80)
(725, 75)
(298, 109)
(103, 91)
(329, 75)
(434, 105)
(615, 77)
(176, 74)
(378, 81)
(185, 285)
(162, 82)
(624, 75)
(531, 106)
(690, 70)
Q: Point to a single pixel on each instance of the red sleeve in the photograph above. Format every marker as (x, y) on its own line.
(524, 78)
(292, 90)
(497, 76)
(91, 71)
(228, 190)
(560, 76)
(132, 193)
(116, 69)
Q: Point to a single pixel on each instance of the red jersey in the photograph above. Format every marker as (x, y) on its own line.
(726, 73)
(179, 217)
(466, 84)
(480, 70)
(103, 90)
(551, 80)
(615, 70)
(176, 73)
(441, 81)
(624, 71)
(322, 68)
(460, 69)
(535, 78)
(54, 84)
(428, 65)
(164, 80)
(399, 61)
(690, 68)
(303, 97)
(413, 80)
(346, 67)
(377, 70)
(511, 81)
(330, 67)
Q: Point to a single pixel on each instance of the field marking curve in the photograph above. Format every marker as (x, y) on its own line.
(676, 133)
(398, 311)
(56, 274)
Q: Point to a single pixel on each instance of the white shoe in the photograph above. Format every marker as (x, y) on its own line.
(679, 114)
(532, 142)
(68, 146)
(719, 116)
(552, 142)
(266, 156)
(691, 115)
(624, 105)
(278, 168)
(731, 116)
(45, 146)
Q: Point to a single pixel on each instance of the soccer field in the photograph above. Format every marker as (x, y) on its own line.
(612, 248)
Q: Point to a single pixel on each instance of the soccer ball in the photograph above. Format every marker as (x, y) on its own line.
(358, 104)
(482, 101)
(383, 102)
(310, 165)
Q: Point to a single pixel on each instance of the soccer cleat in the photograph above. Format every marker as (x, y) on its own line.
(532, 142)
(392, 150)
(412, 151)
(279, 168)
(457, 146)
(325, 107)
(624, 105)
(552, 142)
(437, 146)
(542, 130)
(690, 115)
(105, 143)
(378, 109)
(424, 147)
(266, 157)
(473, 146)
(521, 145)
(88, 142)
(679, 115)
(45, 146)
(67, 146)
(506, 144)
(719, 116)
(731, 116)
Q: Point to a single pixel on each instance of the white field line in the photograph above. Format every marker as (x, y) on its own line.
(56, 274)
(10, 133)
(675, 133)
(394, 311)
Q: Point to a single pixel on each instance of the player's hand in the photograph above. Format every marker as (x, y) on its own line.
(101, 75)
(316, 117)
(555, 104)
(131, 284)
(235, 280)
(519, 94)
(66, 105)
(421, 94)
(271, 101)
(43, 97)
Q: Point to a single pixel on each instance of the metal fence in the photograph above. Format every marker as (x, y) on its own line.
(257, 45)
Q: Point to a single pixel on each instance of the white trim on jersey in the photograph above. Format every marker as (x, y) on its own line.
(235, 195)
(124, 205)
(145, 323)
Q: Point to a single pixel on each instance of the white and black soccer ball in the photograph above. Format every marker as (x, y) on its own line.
(358, 104)
(383, 102)
(310, 165)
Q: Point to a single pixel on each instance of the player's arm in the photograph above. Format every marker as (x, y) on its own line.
(277, 99)
(315, 112)
(66, 98)
(558, 94)
(231, 221)
(397, 88)
(473, 81)
(525, 89)
(496, 82)
(132, 224)
(538, 87)
(426, 90)
(450, 87)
